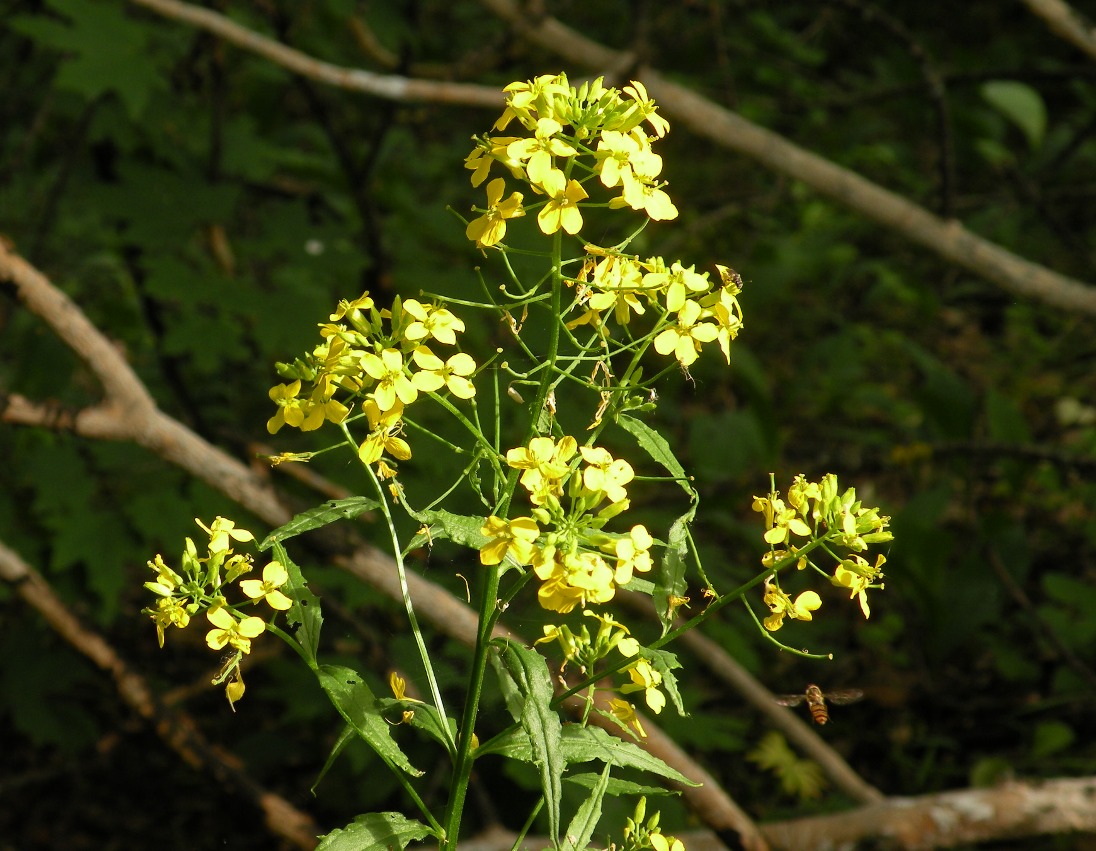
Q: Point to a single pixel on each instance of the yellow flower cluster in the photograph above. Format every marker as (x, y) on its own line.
(592, 131)
(383, 359)
(616, 284)
(828, 519)
(199, 585)
(581, 649)
(575, 560)
(641, 833)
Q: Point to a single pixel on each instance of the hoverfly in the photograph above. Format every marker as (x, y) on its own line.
(816, 700)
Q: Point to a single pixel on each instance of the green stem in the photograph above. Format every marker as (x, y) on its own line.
(489, 610)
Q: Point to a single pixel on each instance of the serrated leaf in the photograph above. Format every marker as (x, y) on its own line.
(320, 516)
(582, 826)
(616, 787)
(376, 832)
(1020, 104)
(655, 445)
(585, 744)
(305, 613)
(539, 721)
(461, 529)
(355, 702)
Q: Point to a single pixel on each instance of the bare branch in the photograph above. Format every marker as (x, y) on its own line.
(949, 239)
(176, 729)
(385, 86)
(1066, 22)
(945, 820)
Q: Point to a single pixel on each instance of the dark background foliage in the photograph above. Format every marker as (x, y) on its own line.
(206, 208)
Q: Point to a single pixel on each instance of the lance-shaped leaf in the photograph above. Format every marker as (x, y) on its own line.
(655, 445)
(539, 721)
(356, 704)
(305, 613)
(375, 832)
(582, 826)
(321, 515)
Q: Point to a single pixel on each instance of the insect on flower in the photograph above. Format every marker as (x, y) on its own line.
(816, 700)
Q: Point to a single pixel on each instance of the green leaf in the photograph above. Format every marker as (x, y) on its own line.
(425, 718)
(356, 704)
(584, 744)
(616, 787)
(376, 832)
(321, 515)
(105, 51)
(671, 577)
(1020, 104)
(582, 826)
(1051, 737)
(345, 738)
(461, 529)
(305, 614)
(539, 721)
(655, 445)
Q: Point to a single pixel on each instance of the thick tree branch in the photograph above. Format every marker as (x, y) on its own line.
(944, 820)
(1064, 21)
(175, 728)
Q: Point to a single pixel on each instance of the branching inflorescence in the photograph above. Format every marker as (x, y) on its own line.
(552, 506)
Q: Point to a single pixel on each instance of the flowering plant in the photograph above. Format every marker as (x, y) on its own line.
(553, 504)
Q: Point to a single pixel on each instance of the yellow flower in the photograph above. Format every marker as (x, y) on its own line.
(352, 309)
(237, 634)
(384, 434)
(665, 843)
(545, 464)
(644, 194)
(617, 282)
(645, 107)
(486, 153)
(622, 154)
(435, 374)
(392, 383)
(857, 575)
(606, 474)
(570, 579)
(685, 338)
(781, 606)
(625, 713)
(220, 531)
(539, 150)
(298, 413)
(274, 577)
(632, 554)
(431, 321)
(646, 679)
(168, 612)
(490, 228)
(514, 538)
(167, 580)
(561, 211)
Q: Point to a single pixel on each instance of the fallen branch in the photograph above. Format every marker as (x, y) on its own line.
(945, 820)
